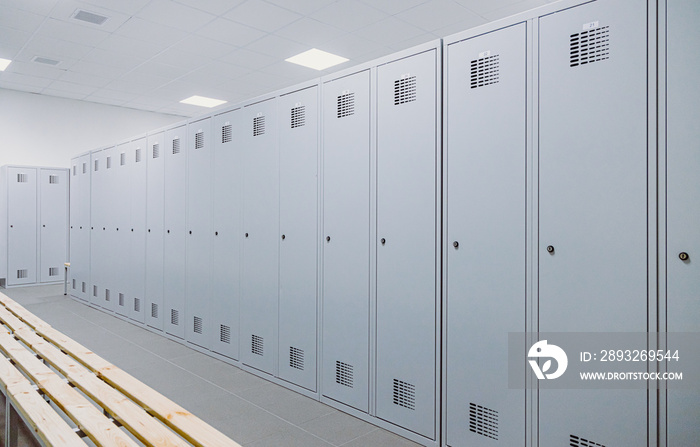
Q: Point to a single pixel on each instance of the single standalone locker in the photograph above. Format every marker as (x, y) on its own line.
(53, 233)
(155, 201)
(21, 225)
(298, 155)
(175, 208)
(408, 157)
(98, 210)
(120, 236)
(259, 294)
(682, 205)
(485, 242)
(199, 329)
(136, 262)
(593, 204)
(228, 133)
(346, 244)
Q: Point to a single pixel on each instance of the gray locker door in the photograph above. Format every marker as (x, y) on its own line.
(593, 204)
(407, 158)
(120, 234)
(97, 211)
(485, 243)
(259, 293)
(346, 245)
(84, 227)
(136, 262)
(22, 231)
(228, 232)
(75, 220)
(174, 267)
(683, 207)
(109, 267)
(199, 328)
(298, 127)
(53, 191)
(155, 197)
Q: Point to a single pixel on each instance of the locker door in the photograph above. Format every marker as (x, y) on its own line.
(22, 219)
(155, 197)
(53, 190)
(485, 241)
(407, 158)
(298, 125)
(259, 292)
(75, 220)
(109, 264)
(121, 234)
(346, 250)
(84, 227)
(683, 209)
(175, 227)
(136, 262)
(97, 213)
(199, 328)
(228, 232)
(593, 204)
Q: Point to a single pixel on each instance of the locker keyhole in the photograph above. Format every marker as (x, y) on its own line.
(283, 237)
(190, 231)
(383, 241)
(246, 235)
(550, 249)
(168, 231)
(683, 256)
(328, 238)
(216, 233)
(455, 244)
(43, 226)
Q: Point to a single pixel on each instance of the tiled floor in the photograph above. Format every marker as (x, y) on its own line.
(251, 410)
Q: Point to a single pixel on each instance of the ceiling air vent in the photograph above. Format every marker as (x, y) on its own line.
(45, 61)
(89, 17)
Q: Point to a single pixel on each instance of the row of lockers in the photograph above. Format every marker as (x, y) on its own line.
(338, 237)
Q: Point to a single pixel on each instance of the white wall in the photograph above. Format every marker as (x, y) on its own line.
(48, 131)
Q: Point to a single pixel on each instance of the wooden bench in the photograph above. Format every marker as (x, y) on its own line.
(109, 398)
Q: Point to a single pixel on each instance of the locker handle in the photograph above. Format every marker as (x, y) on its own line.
(550, 249)
(328, 238)
(455, 244)
(683, 256)
(283, 236)
(383, 241)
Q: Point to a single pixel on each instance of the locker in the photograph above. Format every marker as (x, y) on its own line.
(155, 197)
(136, 261)
(81, 255)
(485, 166)
(199, 328)
(53, 199)
(22, 223)
(683, 210)
(98, 220)
(228, 133)
(593, 204)
(74, 224)
(175, 208)
(407, 254)
(119, 233)
(298, 155)
(110, 266)
(346, 244)
(259, 286)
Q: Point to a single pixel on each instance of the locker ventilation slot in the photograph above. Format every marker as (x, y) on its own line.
(346, 105)
(21, 273)
(199, 140)
(109, 162)
(298, 116)
(225, 334)
(343, 374)
(94, 291)
(138, 156)
(107, 295)
(22, 178)
(74, 283)
(121, 299)
(589, 46)
(174, 317)
(53, 179)
(53, 271)
(154, 310)
(485, 71)
(84, 168)
(137, 305)
(226, 133)
(483, 421)
(404, 90)
(176, 146)
(97, 165)
(122, 159)
(258, 125)
(156, 150)
(575, 441)
(257, 345)
(197, 325)
(404, 394)
(84, 287)
(296, 358)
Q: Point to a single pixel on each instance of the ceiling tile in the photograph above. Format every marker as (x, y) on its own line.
(11, 41)
(140, 48)
(204, 47)
(389, 31)
(277, 47)
(97, 69)
(63, 93)
(57, 29)
(310, 32)
(42, 7)
(396, 6)
(157, 69)
(303, 7)
(84, 79)
(20, 87)
(249, 59)
(65, 9)
(182, 59)
(74, 88)
(225, 70)
(216, 7)
(106, 101)
(20, 19)
(261, 15)
(54, 48)
(351, 46)
(437, 14)
(113, 59)
(131, 87)
(36, 69)
(148, 101)
(349, 15)
(145, 30)
(128, 7)
(229, 32)
(24, 79)
(176, 15)
(114, 95)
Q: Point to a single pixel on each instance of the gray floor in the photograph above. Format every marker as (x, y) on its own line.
(250, 410)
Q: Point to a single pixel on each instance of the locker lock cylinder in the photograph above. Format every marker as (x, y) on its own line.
(683, 256)
(550, 249)
(328, 238)
(283, 237)
(455, 244)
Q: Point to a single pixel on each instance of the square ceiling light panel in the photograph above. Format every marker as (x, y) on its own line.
(316, 59)
(4, 63)
(203, 101)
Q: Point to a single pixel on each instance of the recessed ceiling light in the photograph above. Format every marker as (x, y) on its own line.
(4, 63)
(203, 101)
(45, 60)
(316, 59)
(90, 17)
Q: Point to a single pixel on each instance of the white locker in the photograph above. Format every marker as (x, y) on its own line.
(80, 191)
(682, 205)
(485, 242)
(175, 208)
(53, 234)
(199, 328)
(119, 234)
(109, 264)
(346, 244)
(97, 228)
(155, 200)
(259, 282)
(228, 133)
(298, 161)
(22, 221)
(136, 262)
(593, 204)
